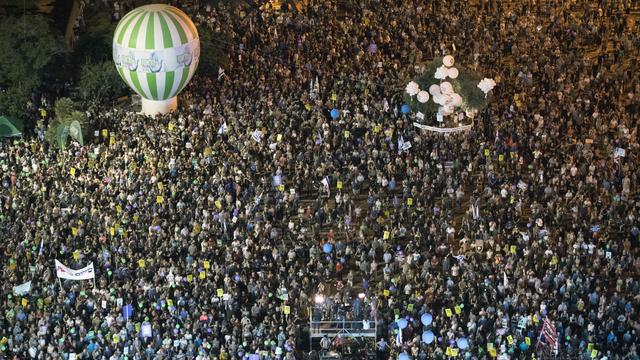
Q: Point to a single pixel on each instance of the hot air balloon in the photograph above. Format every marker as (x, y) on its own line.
(156, 49)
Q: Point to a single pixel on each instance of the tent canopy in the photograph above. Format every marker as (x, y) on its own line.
(10, 126)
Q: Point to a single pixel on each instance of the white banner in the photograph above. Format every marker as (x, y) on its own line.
(22, 289)
(64, 272)
(442, 130)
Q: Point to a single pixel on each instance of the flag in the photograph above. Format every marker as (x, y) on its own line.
(505, 279)
(127, 311)
(460, 258)
(22, 289)
(221, 73)
(41, 244)
(223, 128)
(550, 334)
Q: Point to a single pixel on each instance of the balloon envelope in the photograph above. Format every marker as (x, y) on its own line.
(426, 319)
(402, 323)
(335, 113)
(405, 109)
(327, 248)
(462, 343)
(428, 337)
(156, 50)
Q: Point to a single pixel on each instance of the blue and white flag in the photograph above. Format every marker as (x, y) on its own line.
(22, 289)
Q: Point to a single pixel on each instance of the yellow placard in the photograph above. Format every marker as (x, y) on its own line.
(220, 292)
(118, 209)
(159, 199)
(279, 137)
(207, 151)
(76, 255)
(339, 185)
(141, 263)
(281, 188)
(72, 171)
(457, 309)
(386, 293)
(160, 186)
(510, 339)
(501, 157)
(590, 346)
(409, 201)
(448, 351)
(116, 338)
(535, 318)
(43, 113)
(112, 139)
(454, 351)
(493, 352)
(594, 353)
(489, 346)
(377, 129)
(486, 152)
(334, 97)
(74, 231)
(206, 264)
(218, 204)
(105, 132)
(513, 249)
(386, 235)
(347, 134)
(449, 312)
(202, 275)
(307, 106)
(169, 302)
(170, 126)
(554, 260)
(287, 310)
(112, 231)
(189, 278)
(25, 302)
(410, 307)
(387, 213)
(527, 340)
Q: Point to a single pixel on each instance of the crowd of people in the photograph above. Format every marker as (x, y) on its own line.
(207, 226)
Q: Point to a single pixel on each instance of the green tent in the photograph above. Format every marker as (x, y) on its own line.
(10, 127)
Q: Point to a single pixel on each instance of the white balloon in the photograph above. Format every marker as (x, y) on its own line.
(453, 73)
(441, 73)
(439, 99)
(434, 89)
(423, 96)
(448, 61)
(412, 88)
(456, 99)
(446, 88)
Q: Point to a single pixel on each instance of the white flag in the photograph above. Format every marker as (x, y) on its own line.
(22, 289)
(505, 280)
(64, 272)
(221, 73)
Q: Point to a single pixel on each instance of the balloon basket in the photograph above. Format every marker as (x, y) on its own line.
(154, 107)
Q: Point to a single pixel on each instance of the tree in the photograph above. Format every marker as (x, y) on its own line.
(29, 46)
(100, 81)
(67, 122)
(214, 50)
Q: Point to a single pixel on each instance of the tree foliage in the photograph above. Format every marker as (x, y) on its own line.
(28, 46)
(68, 121)
(214, 50)
(100, 81)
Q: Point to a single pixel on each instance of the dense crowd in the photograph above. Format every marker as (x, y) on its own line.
(212, 221)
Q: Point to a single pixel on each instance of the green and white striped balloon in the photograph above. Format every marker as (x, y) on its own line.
(156, 49)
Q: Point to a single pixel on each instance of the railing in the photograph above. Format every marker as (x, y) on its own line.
(331, 329)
